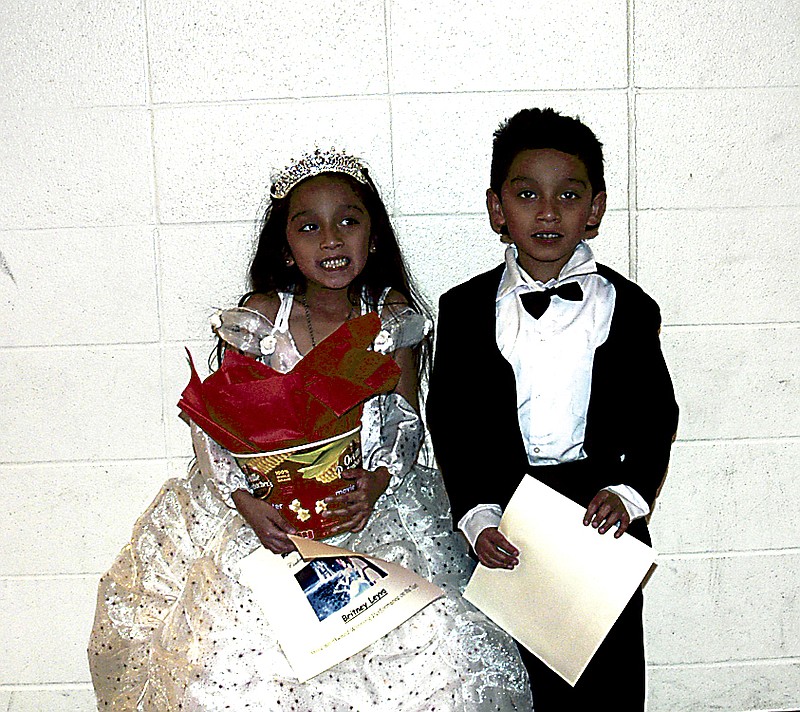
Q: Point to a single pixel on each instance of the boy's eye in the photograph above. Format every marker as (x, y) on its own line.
(570, 195)
(526, 194)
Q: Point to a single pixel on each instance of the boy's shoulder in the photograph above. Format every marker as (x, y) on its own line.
(486, 282)
(631, 298)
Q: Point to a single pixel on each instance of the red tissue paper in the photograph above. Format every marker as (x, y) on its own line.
(248, 407)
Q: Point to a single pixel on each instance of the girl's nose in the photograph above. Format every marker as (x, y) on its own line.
(330, 238)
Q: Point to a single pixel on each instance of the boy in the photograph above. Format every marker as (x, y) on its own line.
(568, 382)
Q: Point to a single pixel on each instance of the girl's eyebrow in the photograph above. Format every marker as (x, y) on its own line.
(303, 212)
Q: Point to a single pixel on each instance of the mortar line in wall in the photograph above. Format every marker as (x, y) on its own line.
(45, 686)
(727, 663)
(51, 577)
(106, 462)
(633, 225)
(745, 440)
(733, 554)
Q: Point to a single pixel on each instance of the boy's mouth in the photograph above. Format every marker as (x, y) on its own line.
(334, 263)
(546, 235)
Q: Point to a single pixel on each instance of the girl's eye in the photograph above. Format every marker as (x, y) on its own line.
(308, 227)
(350, 221)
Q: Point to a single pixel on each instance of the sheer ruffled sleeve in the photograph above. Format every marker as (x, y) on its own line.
(218, 465)
(401, 327)
(393, 431)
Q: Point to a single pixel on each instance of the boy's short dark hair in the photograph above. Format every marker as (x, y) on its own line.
(545, 128)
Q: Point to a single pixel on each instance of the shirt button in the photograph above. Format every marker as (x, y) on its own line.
(536, 449)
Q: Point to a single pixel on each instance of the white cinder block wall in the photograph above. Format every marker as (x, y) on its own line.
(138, 136)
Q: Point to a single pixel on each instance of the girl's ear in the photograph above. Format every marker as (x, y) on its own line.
(596, 213)
(496, 216)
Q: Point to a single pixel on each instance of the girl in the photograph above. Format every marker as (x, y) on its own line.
(174, 630)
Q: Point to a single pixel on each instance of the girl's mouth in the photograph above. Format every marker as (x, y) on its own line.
(334, 263)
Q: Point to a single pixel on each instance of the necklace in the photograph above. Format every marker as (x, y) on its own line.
(307, 312)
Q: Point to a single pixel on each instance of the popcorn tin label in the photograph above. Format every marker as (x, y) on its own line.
(297, 480)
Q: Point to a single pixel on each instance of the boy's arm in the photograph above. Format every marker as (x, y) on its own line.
(652, 417)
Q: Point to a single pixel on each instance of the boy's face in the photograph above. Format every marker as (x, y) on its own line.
(546, 205)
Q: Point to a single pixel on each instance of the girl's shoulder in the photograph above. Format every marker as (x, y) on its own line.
(266, 304)
(402, 326)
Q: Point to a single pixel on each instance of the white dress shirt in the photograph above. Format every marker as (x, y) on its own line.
(552, 358)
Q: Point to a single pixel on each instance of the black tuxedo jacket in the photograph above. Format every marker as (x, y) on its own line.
(472, 403)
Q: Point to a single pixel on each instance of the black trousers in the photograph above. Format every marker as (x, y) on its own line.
(615, 674)
(615, 677)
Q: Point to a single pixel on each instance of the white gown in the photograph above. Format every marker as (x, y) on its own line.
(174, 630)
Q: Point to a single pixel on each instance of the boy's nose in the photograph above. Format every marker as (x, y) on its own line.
(549, 212)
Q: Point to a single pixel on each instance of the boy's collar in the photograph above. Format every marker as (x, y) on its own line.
(581, 262)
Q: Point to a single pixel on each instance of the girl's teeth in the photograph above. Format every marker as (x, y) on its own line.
(335, 263)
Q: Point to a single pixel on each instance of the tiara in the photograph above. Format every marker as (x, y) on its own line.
(312, 164)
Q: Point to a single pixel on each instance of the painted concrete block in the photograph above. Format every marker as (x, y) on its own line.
(723, 609)
(203, 269)
(206, 51)
(702, 266)
(213, 163)
(176, 376)
(715, 44)
(445, 250)
(443, 144)
(73, 518)
(59, 700)
(486, 46)
(75, 168)
(745, 687)
(735, 382)
(717, 148)
(78, 286)
(728, 496)
(80, 404)
(44, 629)
(76, 52)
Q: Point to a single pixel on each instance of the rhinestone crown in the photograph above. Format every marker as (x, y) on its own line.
(313, 164)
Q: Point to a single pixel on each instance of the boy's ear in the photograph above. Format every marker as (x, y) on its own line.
(496, 216)
(596, 214)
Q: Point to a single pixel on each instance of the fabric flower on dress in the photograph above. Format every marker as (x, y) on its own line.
(268, 345)
(383, 342)
(216, 322)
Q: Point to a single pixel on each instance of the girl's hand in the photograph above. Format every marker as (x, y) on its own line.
(604, 511)
(356, 507)
(268, 524)
(495, 551)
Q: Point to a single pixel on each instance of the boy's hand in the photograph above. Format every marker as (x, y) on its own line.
(268, 524)
(604, 511)
(355, 508)
(495, 551)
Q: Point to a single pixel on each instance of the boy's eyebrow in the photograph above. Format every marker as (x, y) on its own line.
(569, 180)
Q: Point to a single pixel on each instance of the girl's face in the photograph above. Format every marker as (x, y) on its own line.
(328, 230)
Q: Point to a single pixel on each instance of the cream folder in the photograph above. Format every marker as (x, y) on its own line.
(571, 583)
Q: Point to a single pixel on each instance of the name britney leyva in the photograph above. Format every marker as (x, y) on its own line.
(358, 610)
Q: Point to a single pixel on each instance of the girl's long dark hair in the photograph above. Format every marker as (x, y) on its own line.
(385, 267)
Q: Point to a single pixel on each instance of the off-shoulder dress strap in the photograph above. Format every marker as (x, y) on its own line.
(282, 317)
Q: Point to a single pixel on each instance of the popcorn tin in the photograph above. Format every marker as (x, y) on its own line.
(297, 480)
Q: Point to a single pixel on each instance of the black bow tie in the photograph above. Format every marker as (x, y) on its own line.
(536, 303)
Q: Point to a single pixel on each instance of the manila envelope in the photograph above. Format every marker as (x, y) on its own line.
(571, 583)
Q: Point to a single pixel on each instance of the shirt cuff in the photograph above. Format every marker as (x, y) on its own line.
(479, 518)
(634, 504)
